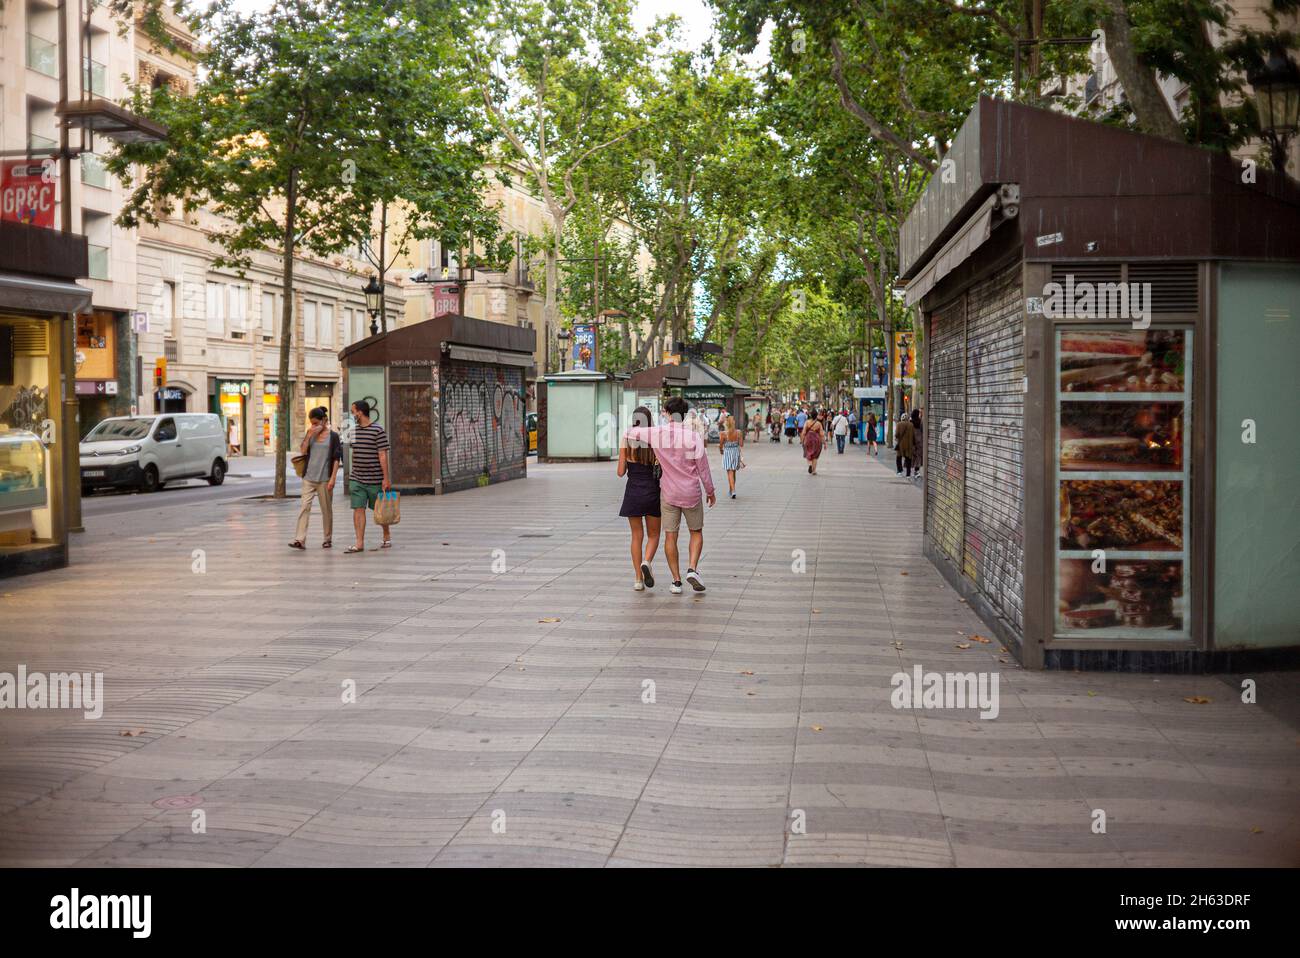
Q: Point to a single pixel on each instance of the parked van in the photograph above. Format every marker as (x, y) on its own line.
(146, 452)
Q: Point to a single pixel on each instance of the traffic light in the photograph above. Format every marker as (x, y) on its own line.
(159, 373)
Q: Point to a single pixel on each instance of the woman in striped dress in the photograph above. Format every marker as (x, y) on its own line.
(730, 441)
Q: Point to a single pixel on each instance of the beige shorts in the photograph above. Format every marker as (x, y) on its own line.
(672, 516)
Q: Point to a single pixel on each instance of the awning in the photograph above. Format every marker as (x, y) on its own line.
(967, 239)
(25, 294)
(495, 357)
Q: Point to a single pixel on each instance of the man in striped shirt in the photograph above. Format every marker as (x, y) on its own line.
(369, 473)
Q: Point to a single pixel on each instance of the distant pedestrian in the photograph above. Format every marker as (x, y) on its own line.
(840, 427)
(801, 420)
(904, 445)
(369, 474)
(918, 441)
(813, 439)
(758, 427)
(853, 428)
(791, 426)
(637, 461)
(697, 424)
(324, 454)
(730, 441)
(872, 425)
(684, 466)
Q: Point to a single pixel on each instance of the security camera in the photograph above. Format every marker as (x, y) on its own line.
(420, 277)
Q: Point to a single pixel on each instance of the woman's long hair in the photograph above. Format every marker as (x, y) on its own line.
(638, 451)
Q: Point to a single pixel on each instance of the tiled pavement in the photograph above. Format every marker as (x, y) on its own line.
(516, 699)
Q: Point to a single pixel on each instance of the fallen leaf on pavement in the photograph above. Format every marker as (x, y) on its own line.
(980, 638)
(746, 672)
(963, 645)
(751, 693)
(1196, 699)
(816, 610)
(549, 618)
(1003, 661)
(1092, 695)
(1256, 830)
(131, 732)
(902, 573)
(816, 728)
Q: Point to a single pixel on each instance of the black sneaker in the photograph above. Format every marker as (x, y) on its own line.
(693, 578)
(648, 578)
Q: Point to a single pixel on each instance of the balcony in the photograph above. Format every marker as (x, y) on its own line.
(97, 261)
(38, 145)
(93, 171)
(42, 56)
(95, 77)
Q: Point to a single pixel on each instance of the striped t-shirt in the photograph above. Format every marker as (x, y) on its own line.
(367, 441)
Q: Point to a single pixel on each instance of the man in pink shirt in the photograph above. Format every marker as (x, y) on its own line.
(685, 465)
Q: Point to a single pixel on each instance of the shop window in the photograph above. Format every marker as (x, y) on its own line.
(25, 462)
(1123, 480)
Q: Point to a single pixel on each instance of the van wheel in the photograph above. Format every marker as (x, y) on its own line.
(150, 483)
(218, 475)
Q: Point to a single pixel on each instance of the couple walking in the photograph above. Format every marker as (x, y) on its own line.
(665, 466)
(369, 475)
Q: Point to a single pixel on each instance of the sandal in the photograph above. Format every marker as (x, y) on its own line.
(386, 544)
(352, 550)
(326, 544)
(296, 544)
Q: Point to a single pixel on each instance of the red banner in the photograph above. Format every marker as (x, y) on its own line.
(25, 194)
(446, 299)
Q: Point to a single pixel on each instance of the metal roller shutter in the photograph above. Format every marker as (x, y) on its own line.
(994, 443)
(945, 420)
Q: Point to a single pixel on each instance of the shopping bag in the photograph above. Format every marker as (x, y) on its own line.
(388, 508)
(299, 464)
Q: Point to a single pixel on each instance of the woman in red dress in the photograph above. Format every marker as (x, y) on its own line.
(813, 440)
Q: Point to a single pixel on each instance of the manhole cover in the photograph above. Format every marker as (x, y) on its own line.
(178, 801)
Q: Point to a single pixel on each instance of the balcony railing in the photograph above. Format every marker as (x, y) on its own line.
(96, 77)
(93, 171)
(39, 145)
(42, 55)
(98, 262)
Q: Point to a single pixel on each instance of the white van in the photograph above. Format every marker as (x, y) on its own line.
(146, 452)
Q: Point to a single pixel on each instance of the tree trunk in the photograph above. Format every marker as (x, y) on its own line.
(550, 311)
(383, 288)
(1139, 81)
(285, 399)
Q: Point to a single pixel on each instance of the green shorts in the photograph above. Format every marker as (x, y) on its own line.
(364, 494)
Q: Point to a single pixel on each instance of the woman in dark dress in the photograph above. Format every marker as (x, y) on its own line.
(637, 461)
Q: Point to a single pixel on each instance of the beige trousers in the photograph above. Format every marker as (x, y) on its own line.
(321, 491)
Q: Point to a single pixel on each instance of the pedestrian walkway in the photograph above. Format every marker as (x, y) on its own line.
(517, 703)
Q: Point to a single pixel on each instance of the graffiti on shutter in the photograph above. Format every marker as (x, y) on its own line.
(945, 430)
(482, 422)
(995, 411)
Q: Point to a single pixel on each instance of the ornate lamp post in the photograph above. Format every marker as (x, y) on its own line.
(374, 303)
(564, 336)
(1277, 101)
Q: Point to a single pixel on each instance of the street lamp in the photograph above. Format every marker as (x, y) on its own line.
(374, 303)
(564, 336)
(1277, 101)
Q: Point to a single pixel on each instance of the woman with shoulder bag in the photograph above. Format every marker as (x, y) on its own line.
(321, 456)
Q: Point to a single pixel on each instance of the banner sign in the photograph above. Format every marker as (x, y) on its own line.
(584, 347)
(446, 299)
(904, 356)
(25, 194)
